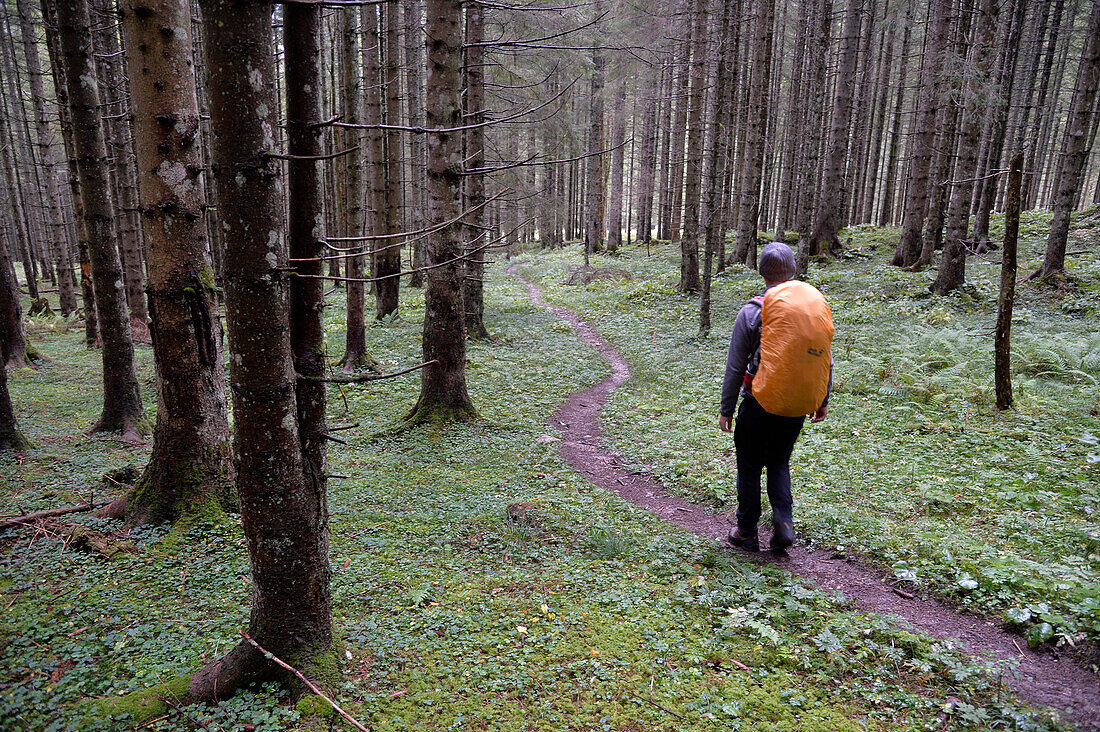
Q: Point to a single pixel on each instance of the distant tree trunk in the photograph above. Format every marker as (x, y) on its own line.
(282, 503)
(355, 339)
(54, 203)
(997, 129)
(923, 139)
(678, 133)
(414, 65)
(1031, 184)
(716, 153)
(387, 264)
(443, 395)
(1002, 367)
(91, 322)
(1076, 145)
(190, 473)
(473, 283)
(878, 130)
(689, 241)
(647, 163)
(748, 219)
(952, 271)
(813, 109)
(122, 408)
(593, 227)
(618, 154)
(828, 221)
(886, 205)
(116, 100)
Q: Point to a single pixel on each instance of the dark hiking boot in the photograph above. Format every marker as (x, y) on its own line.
(782, 537)
(741, 540)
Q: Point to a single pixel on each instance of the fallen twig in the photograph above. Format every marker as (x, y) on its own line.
(903, 593)
(650, 701)
(27, 518)
(193, 721)
(307, 682)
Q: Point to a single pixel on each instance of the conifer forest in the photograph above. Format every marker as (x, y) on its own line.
(378, 365)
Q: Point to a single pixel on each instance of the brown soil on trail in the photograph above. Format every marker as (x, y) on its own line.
(1042, 677)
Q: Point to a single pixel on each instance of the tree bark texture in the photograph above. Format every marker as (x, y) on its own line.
(190, 473)
(443, 395)
(122, 407)
(828, 221)
(593, 216)
(923, 139)
(282, 502)
(477, 236)
(387, 263)
(752, 169)
(59, 236)
(693, 162)
(952, 270)
(1002, 365)
(1076, 146)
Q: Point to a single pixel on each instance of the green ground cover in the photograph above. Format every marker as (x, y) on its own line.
(914, 468)
(571, 610)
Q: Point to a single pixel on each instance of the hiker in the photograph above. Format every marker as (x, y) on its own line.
(779, 362)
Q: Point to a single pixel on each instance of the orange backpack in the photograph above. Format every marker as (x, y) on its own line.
(796, 334)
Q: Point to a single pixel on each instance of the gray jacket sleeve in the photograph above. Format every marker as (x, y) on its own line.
(743, 344)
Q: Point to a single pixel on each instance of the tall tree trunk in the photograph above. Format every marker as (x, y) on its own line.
(122, 408)
(355, 339)
(87, 288)
(618, 154)
(387, 264)
(54, 203)
(828, 221)
(647, 162)
(593, 216)
(812, 111)
(282, 503)
(477, 235)
(190, 473)
(10, 436)
(678, 132)
(689, 241)
(952, 271)
(414, 69)
(15, 351)
(443, 395)
(887, 205)
(1002, 366)
(1076, 146)
(748, 218)
(306, 233)
(923, 139)
(116, 100)
(716, 153)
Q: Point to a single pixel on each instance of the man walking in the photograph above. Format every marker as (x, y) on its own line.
(779, 362)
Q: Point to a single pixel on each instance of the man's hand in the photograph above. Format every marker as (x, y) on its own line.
(820, 414)
(725, 423)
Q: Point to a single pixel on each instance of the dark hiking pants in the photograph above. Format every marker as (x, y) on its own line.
(763, 440)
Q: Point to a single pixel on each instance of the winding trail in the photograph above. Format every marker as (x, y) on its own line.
(1043, 677)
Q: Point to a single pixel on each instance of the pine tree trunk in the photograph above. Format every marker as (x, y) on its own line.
(593, 218)
(122, 407)
(952, 271)
(678, 132)
(828, 221)
(922, 139)
(306, 231)
(355, 339)
(443, 395)
(190, 473)
(887, 206)
(414, 65)
(618, 155)
(14, 349)
(716, 154)
(811, 114)
(282, 503)
(476, 234)
(693, 163)
(59, 237)
(387, 265)
(1076, 146)
(116, 100)
(748, 218)
(647, 162)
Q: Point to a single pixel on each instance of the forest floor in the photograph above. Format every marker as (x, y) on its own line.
(481, 582)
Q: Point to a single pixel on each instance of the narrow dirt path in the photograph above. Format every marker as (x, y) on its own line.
(1042, 677)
